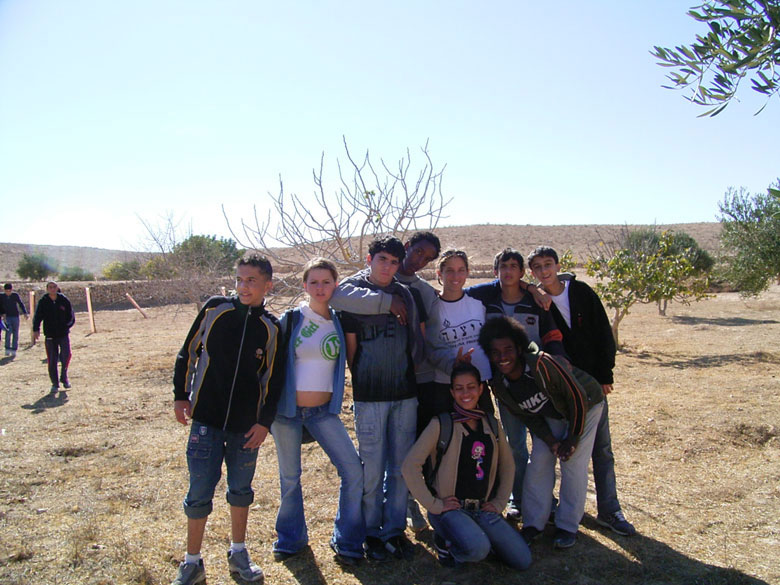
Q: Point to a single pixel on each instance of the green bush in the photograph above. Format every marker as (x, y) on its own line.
(36, 267)
(117, 270)
(75, 273)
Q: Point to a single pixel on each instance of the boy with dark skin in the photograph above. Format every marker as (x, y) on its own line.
(510, 295)
(590, 345)
(561, 406)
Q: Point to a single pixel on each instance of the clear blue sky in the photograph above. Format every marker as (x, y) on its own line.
(544, 113)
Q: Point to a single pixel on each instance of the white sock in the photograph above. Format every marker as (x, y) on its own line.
(237, 546)
(194, 559)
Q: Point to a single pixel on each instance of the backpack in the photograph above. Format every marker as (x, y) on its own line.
(430, 469)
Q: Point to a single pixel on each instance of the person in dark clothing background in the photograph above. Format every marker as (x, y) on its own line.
(56, 313)
(10, 304)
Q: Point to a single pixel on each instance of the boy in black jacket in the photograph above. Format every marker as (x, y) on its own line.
(227, 379)
(590, 345)
(56, 313)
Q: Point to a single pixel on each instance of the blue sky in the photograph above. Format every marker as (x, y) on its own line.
(544, 113)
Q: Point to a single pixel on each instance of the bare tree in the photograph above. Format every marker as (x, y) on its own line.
(371, 199)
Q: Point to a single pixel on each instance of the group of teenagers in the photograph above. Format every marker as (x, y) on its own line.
(424, 364)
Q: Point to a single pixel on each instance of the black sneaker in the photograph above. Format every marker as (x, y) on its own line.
(414, 517)
(617, 523)
(375, 549)
(342, 559)
(443, 551)
(400, 547)
(530, 533)
(280, 556)
(564, 538)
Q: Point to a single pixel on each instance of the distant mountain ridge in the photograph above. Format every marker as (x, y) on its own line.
(481, 242)
(90, 259)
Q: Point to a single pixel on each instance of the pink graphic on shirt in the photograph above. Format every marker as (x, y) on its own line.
(477, 452)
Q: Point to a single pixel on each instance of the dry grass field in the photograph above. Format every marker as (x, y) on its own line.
(91, 484)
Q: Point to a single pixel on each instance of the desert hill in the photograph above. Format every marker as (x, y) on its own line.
(90, 259)
(481, 242)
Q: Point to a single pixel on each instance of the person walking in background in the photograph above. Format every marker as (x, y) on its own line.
(312, 398)
(227, 379)
(56, 313)
(11, 304)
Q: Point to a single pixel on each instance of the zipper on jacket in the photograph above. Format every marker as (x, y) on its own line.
(238, 362)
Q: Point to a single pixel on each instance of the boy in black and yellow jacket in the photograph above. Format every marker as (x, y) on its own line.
(228, 379)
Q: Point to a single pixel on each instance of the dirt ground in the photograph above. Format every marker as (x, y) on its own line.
(91, 484)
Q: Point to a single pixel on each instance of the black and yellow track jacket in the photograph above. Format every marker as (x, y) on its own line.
(231, 366)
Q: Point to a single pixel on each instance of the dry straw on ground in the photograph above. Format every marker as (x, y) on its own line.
(91, 486)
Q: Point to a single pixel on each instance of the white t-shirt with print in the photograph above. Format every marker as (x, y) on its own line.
(317, 348)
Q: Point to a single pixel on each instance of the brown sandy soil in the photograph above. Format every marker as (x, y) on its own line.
(91, 485)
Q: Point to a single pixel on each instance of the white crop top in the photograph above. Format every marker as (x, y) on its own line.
(317, 348)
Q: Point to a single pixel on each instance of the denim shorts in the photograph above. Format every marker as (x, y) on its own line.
(207, 447)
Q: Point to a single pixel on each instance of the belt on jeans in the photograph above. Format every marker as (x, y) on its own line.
(471, 504)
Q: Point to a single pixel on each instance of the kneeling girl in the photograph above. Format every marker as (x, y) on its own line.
(472, 482)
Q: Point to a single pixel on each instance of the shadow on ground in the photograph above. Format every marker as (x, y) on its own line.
(720, 321)
(707, 361)
(643, 561)
(46, 402)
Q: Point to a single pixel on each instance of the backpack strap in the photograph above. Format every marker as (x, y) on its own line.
(445, 436)
(492, 423)
(292, 317)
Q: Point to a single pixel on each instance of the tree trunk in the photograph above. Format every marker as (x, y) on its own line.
(615, 324)
(662, 304)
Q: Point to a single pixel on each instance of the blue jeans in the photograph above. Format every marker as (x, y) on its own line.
(516, 435)
(206, 449)
(328, 430)
(12, 333)
(604, 467)
(540, 477)
(472, 533)
(385, 433)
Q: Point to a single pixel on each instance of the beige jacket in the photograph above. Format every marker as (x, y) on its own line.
(501, 465)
